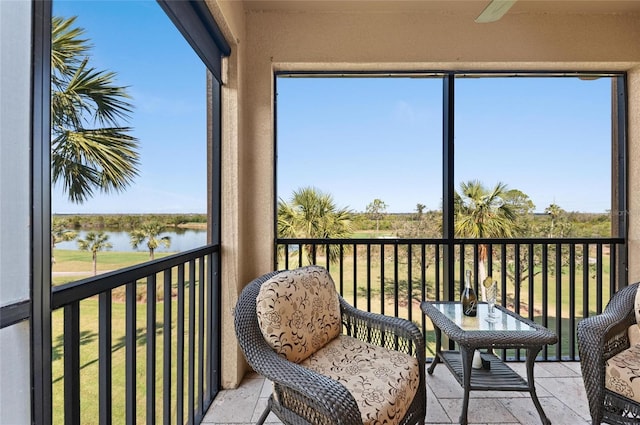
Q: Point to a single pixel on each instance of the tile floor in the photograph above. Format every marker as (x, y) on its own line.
(559, 387)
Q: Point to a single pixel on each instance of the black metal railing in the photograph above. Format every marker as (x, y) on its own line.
(141, 344)
(554, 282)
(143, 341)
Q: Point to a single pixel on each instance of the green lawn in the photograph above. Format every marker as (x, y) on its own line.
(80, 262)
(89, 355)
(89, 375)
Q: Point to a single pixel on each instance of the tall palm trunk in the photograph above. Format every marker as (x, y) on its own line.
(482, 269)
(482, 275)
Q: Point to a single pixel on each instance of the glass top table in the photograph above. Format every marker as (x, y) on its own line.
(502, 321)
(507, 330)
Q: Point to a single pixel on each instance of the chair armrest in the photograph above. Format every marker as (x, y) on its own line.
(602, 336)
(389, 332)
(608, 330)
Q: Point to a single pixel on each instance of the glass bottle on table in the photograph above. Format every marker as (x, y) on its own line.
(468, 297)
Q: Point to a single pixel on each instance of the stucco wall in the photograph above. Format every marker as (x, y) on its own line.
(380, 39)
(236, 222)
(416, 38)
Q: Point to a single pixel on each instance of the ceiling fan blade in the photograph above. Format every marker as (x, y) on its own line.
(494, 11)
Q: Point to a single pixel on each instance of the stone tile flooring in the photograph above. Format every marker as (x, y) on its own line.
(559, 387)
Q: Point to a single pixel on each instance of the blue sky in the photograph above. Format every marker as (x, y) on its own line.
(167, 82)
(380, 138)
(357, 139)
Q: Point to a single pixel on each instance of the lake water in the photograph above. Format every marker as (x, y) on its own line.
(183, 240)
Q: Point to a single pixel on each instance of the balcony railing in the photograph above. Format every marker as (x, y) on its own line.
(142, 342)
(554, 282)
(139, 345)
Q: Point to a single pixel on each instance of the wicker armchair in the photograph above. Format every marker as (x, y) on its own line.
(599, 339)
(302, 395)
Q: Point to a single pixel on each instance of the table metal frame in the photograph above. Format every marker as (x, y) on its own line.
(499, 377)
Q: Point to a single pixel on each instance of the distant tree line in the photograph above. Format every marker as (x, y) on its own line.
(479, 212)
(123, 222)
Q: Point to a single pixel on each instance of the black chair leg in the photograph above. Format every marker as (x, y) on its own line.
(264, 415)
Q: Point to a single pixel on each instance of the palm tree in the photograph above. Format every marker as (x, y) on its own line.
(149, 232)
(554, 212)
(312, 214)
(94, 242)
(482, 213)
(89, 149)
(59, 233)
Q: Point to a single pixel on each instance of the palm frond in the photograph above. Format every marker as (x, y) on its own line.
(482, 213)
(85, 158)
(94, 93)
(313, 214)
(66, 44)
(105, 158)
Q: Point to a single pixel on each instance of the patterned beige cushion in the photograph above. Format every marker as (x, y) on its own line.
(622, 372)
(383, 382)
(299, 311)
(634, 334)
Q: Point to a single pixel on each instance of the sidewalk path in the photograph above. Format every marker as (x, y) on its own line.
(90, 273)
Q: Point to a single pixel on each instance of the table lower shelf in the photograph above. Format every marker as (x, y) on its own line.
(499, 378)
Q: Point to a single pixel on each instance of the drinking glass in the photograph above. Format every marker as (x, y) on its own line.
(491, 293)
